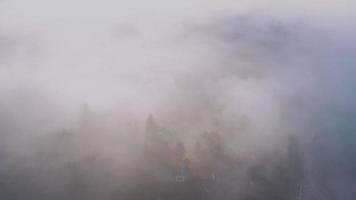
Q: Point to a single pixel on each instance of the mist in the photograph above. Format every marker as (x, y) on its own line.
(177, 100)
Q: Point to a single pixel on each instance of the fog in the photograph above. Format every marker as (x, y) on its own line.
(177, 100)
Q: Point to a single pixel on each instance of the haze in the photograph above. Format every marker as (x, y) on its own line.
(177, 99)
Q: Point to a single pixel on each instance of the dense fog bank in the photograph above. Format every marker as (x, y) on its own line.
(227, 104)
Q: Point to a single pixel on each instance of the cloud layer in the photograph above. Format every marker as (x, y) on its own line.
(77, 81)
